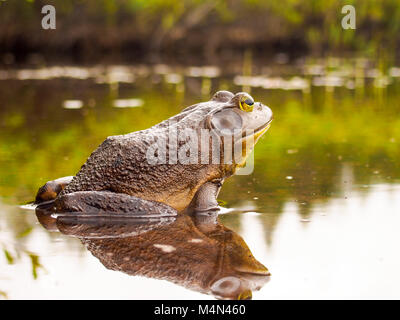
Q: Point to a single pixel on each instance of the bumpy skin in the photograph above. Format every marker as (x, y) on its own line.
(196, 252)
(119, 165)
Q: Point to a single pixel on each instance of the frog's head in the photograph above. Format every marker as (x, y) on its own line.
(240, 114)
(227, 117)
(238, 121)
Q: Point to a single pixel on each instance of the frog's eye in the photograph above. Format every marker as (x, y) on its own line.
(247, 105)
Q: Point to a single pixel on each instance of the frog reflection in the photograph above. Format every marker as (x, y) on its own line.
(198, 253)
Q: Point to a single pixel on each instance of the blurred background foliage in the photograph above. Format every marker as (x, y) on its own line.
(197, 29)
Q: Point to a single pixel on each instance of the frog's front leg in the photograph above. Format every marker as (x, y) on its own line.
(205, 199)
(110, 203)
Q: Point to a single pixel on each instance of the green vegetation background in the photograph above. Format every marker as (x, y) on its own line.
(193, 28)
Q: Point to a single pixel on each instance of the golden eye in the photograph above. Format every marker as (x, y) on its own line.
(247, 105)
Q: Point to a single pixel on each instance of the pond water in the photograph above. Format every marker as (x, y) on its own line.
(320, 209)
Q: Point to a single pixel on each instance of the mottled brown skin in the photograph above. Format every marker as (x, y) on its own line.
(119, 165)
(197, 252)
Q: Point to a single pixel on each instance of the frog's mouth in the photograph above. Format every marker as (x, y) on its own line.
(257, 133)
(249, 139)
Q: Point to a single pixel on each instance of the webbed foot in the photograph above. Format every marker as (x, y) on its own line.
(205, 199)
(51, 189)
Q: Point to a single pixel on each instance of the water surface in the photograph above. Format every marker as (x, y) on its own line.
(320, 210)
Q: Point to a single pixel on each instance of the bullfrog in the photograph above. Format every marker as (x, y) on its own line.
(176, 166)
